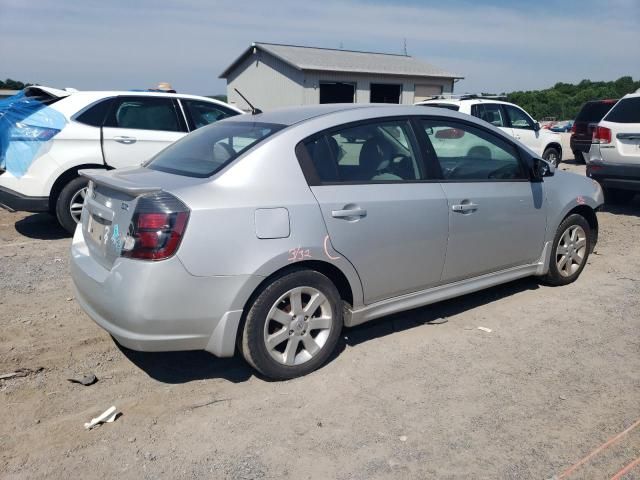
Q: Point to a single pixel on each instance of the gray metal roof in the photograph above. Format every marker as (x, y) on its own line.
(327, 59)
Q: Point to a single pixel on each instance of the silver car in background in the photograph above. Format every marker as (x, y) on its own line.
(267, 233)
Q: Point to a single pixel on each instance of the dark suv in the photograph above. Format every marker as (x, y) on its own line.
(588, 117)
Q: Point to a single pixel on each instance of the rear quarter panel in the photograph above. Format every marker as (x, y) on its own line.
(221, 237)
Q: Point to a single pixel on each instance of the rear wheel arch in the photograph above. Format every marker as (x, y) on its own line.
(589, 215)
(65, 178)
(333, 273)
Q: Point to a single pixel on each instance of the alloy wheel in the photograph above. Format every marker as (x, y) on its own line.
(571, 250)
(298, 326)
(77, 201)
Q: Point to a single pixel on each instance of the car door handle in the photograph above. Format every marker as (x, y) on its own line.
(464, 207)
(125, 140)
(349, 213)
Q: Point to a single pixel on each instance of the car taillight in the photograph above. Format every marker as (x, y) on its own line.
(573, 129)
(30, 133)
(601, 135)
(157, 227)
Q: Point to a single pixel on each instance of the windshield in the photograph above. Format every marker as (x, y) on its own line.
(205, 151)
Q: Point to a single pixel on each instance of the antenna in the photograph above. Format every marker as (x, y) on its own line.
(254, 110)
(405, 47)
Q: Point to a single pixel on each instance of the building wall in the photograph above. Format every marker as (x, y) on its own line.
(270, 83)
(363, 81)
(266, 82)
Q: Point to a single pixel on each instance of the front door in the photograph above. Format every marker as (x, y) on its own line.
(524, 129)
(497, 217)
(137, 128)
(380, 213)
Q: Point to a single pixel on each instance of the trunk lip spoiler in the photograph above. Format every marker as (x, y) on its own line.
(106, 178)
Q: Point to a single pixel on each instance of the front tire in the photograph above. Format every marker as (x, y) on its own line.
(552, 155)
(293, 325)
(69, 203)
(570, 251)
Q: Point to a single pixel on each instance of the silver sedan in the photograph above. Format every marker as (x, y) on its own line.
(269, 233)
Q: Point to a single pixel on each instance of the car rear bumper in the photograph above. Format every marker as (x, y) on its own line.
(14, 201)
(579, 145)
(159, 306)
(624, 177)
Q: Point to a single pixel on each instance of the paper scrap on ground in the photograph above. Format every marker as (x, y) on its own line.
(108, 416)
(485, 329)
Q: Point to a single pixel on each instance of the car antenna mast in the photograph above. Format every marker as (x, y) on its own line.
(254, 110)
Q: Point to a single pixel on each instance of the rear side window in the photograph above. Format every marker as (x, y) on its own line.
(374, 152)
(207, 150)
(489, 112)
(145, 113)
(593, 112)
(95, 114)
(201, 113)
(626, 110)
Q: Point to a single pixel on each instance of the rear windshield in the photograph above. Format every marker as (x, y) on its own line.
(626, 110)
(449, 106)
(207, 150)
(593, 112)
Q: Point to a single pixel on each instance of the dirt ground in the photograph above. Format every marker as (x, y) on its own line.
(557, 376)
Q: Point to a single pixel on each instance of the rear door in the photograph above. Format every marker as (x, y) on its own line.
(382, 212)
(497, 217)
(624, 122)
(138, 127)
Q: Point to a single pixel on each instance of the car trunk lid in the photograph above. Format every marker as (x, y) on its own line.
(110, 205)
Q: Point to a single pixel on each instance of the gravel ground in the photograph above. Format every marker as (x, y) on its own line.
(557, 376)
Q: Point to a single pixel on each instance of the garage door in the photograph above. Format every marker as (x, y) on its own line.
(424, 92)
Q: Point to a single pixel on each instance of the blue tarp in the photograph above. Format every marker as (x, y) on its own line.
(26, 124)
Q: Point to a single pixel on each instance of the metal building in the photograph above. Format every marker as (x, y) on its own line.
(273, 75)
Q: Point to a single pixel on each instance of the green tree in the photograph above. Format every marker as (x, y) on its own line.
(564, 100)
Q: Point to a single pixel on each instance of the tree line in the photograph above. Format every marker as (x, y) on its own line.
(10, 84)
(564, 100)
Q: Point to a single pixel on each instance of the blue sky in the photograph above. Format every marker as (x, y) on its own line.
(497, 45)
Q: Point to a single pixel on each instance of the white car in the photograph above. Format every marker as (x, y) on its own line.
(47, 135)
(509, 118)
(614, 157)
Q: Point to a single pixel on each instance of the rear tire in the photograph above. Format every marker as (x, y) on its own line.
(293, 325)
(69, 203)
(552, 155)
(570, 251)
(614, 195)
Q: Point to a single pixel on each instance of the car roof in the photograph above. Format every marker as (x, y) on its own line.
(294, 115)
(457, 101)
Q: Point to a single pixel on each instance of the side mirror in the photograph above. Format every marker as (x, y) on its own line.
(542, 168)
(536, 126)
